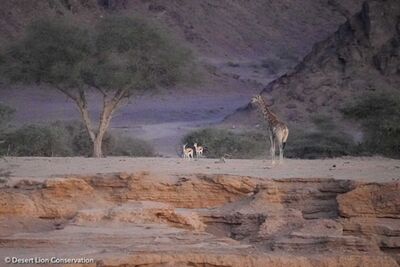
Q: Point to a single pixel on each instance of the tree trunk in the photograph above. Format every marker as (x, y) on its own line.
(97, 148)
(105, 118)
(109, 107)
(98, 141)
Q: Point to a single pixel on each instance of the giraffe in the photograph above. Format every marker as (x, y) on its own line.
(278, 131)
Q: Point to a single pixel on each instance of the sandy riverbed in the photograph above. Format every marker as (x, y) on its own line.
(364, 169)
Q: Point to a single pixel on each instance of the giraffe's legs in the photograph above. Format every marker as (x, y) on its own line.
(272, 149)
(280, 152)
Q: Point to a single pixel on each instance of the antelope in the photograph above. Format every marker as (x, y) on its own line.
(187, 152)
(199, 150)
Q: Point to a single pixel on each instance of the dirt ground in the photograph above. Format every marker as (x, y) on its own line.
(363, 168)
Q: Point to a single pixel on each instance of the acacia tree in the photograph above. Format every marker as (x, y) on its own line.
(117, 57)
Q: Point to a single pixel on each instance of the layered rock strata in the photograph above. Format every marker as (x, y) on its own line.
(202, 220)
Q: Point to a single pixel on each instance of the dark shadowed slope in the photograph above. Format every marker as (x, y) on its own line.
(362, 56)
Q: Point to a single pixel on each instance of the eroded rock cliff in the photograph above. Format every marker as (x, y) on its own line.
(143, 219)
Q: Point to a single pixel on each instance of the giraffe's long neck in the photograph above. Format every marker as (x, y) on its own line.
(270, 117)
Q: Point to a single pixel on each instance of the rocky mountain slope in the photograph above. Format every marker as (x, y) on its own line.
(249, 35)
(362, 56)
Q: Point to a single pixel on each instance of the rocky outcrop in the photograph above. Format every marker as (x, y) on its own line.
(141, 212)
(328, 234)
(362, 56)
(202, 220)
(54, 198)
(63, 197)
(386, 232)
(315, 198)
(371, 200)
(373, 211)
(183, 192)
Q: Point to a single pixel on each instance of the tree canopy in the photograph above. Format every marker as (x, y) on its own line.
(117, 56)
(118, 53)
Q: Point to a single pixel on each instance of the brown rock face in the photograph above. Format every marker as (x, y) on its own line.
(373, 211)
(141, 212)
(183, 192)
(371, 200)
(360, 57)
(55, 198)
(202, 220)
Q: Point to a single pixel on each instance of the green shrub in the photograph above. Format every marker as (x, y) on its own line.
(326, 141)
(379, 115)
(323, 123)
(6, 114)
(74, 134)
(233, 64)
(221, 142)
(67, 139)
(32, 140)
(78, 138)
(133, 147)
(319, 145)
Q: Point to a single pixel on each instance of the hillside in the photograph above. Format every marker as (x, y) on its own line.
(248, 42)
(242, 45)
(361, 57)
(227, 29)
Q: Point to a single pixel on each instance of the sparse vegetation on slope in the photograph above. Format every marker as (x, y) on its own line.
(379, 115)
(360, 57)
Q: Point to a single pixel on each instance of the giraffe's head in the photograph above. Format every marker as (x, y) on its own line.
(256, 99)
